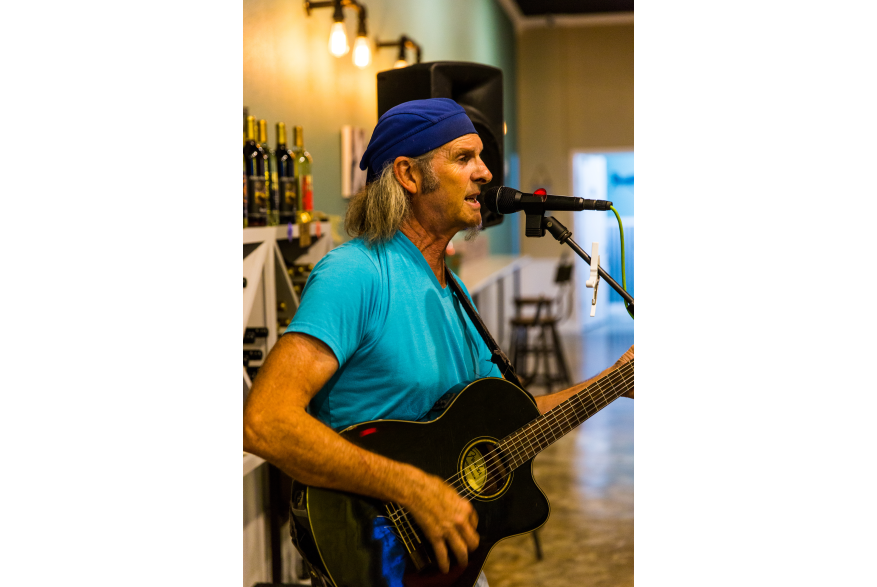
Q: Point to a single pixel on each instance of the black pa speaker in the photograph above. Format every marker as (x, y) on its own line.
(475, 87)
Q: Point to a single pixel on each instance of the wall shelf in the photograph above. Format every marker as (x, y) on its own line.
(258, 234)
(269, 295)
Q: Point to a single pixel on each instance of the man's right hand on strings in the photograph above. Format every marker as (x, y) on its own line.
(447, 520)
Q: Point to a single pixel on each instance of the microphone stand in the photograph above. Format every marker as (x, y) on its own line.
(562, 235)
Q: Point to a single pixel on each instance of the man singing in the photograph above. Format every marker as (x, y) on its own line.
(379, 334)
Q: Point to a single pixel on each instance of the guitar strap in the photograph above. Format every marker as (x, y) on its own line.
(497, 357)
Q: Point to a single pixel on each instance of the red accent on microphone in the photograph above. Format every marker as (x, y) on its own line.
(367, 431)
(541, 192)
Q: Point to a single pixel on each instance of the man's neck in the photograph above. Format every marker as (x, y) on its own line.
(431, 245)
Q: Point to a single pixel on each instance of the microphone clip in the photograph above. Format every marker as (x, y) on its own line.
(594, 277)
(535, 221)
(534, 224)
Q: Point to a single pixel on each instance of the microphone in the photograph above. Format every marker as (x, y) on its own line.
(503, 200)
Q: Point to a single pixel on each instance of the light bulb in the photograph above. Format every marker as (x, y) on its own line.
(338, 40)
(362, 54)
(400, 64)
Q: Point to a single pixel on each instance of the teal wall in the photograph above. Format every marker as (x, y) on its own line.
(290, 76)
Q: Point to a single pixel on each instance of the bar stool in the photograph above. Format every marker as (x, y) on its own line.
(537, 336)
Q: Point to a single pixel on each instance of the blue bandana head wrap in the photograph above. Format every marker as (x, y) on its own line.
(412, 129)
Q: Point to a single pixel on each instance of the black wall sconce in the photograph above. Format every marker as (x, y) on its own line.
(403, 43)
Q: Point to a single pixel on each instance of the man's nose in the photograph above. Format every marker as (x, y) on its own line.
(482, 174)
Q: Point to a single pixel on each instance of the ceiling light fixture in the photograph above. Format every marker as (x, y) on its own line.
(338, 44)
(362, 53)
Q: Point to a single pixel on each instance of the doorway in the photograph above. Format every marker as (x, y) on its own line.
(605, 175)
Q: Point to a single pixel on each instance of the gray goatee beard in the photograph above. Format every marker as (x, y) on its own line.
(472, 233)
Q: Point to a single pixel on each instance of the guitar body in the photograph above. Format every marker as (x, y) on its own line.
(350, 541)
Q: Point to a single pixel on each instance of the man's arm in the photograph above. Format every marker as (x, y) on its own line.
(278, 429)
(547, 402)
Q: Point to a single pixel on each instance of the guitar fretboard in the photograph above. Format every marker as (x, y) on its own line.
(527, 442)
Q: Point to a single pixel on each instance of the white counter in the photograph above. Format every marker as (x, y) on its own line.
(485, 279)
(480, 273)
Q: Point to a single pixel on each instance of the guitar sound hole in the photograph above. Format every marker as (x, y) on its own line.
(483, 469)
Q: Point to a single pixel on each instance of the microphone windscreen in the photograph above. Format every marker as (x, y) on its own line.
(505, 200)
(487, 198)
(499, 200)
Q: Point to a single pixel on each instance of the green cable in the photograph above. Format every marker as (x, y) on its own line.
(623, 276)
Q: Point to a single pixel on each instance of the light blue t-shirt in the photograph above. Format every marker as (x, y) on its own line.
(401, 340)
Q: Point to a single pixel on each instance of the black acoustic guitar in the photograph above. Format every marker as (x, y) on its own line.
(481, 438)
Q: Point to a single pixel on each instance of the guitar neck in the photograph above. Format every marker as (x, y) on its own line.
(527, 442)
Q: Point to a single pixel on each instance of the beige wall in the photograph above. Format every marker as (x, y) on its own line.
(575, 92)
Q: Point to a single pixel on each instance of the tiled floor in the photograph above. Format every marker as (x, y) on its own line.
(588, 478)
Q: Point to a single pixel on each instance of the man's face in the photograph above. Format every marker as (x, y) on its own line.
(460, 173)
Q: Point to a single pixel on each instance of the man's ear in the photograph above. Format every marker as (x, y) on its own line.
(406, 174)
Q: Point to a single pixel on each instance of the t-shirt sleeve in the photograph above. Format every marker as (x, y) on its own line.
(338, 302)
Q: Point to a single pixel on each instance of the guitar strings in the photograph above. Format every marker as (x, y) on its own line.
(401, 516)
(404, 530)
(557, 418)
(539, 425)
(549, 421)
(552, 419)
(545, 422)
(519, 446)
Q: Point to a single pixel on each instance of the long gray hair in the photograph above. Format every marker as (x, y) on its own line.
(378, 210)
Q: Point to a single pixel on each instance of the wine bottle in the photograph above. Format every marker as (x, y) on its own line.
(270, 175)
(286, 186)
(245, 190)
(304, 162)
(304, 181)
(246, 113)
(257, 195)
